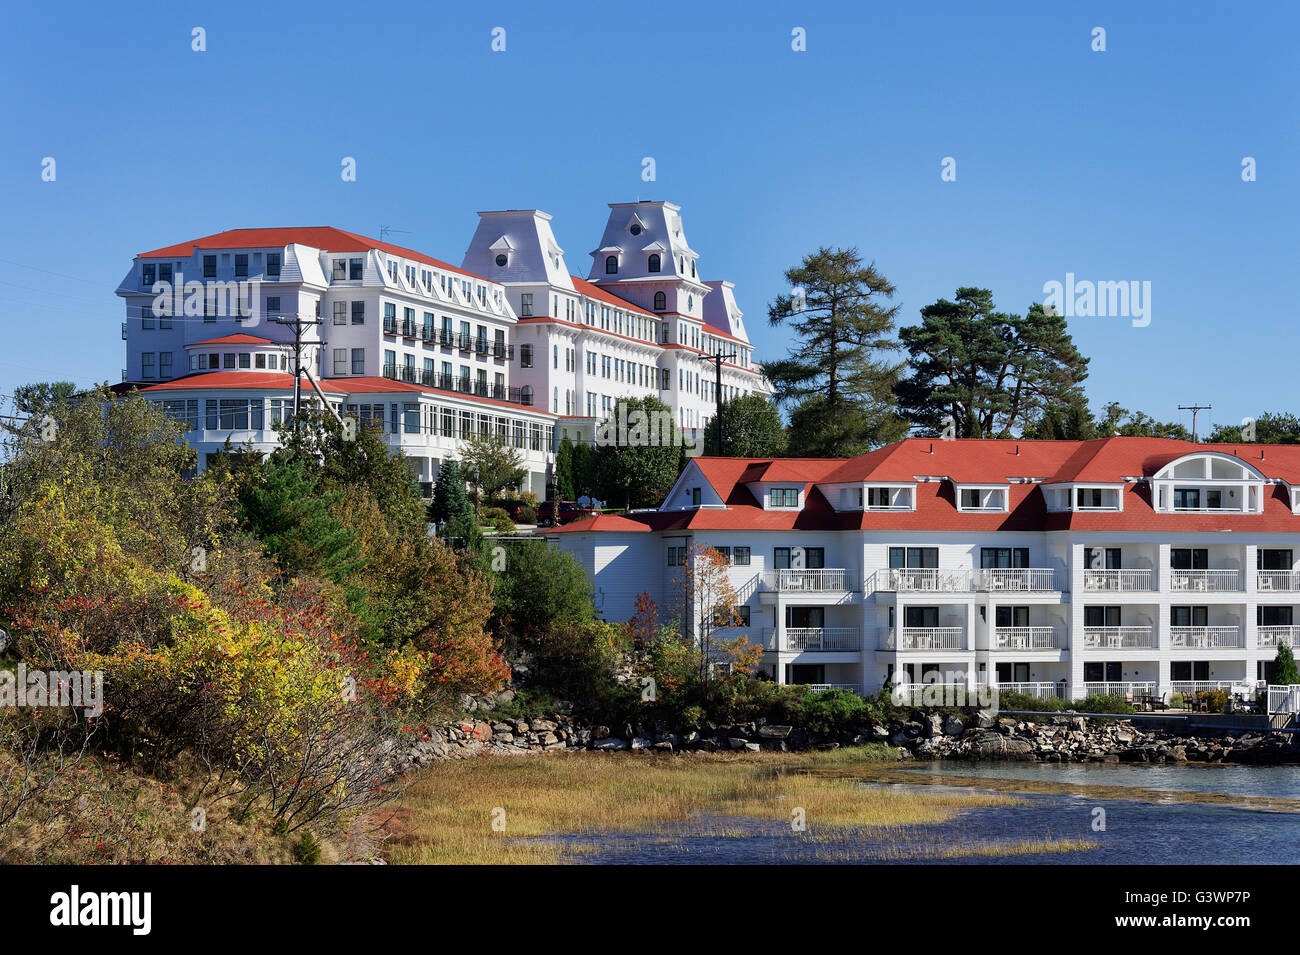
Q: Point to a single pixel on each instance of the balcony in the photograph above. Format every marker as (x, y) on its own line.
(1120, 638)
(819, 580)
(1277, 581)
(1204, 581)
(1018, 580)
(1043, 691)
(408, 328)
(926, 638)
(1206, 638)
(1117, 581)
(1120, 688)
(1184, 687)
(813, 639)
(390, 325)
(1275, 636)
(928, 579)
(1026, 638)
(463, 386)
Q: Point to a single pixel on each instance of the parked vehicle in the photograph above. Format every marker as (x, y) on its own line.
(569, 511)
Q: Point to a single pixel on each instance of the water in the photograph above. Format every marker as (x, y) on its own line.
(1162, 828)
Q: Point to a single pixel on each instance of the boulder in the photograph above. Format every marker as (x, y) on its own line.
(774, 731)
(994, 745)
(610, 742)
(953, 727)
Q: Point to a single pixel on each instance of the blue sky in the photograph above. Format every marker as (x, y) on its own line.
(1122, 165)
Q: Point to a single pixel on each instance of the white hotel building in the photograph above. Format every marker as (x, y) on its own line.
(1122, 565)
(508, 342)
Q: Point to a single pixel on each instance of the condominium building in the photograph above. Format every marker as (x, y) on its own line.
(1057, 568)
(508, 343)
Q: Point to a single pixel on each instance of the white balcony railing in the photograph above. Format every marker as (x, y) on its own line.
(1199, 686)
(1277, 581)
(1273, 636)
(814, 638)
(817, 580)
(1018, 579)
(926, 579)
(1117, 581)
(1120, 638)
(1119, 688)
(1044, 691)
(822, 687)
(1206, 638)
(1025, 638)
(1205, 581)
(926, 638)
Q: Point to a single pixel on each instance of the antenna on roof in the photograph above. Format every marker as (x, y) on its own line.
(1017, 450)
(931, 447)
(386, 230)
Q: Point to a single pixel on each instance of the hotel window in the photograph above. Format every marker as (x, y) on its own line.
(913, 557)
(1004, 557)
(1101, 558)
(228, 360)
(654, 262)
(244, 361)
(611, 265)
(355, 267)
(241, 265)
(358, 313)
(340, 313)
(358, 361)
(742, 615)
(273, 307)
(1187, 498)
(259, 361)
(273, 264)
(272, 361)
(340, 270)
(1189, 558)
(146, 364)
(209, 266)
(695, 497)
(661, 301)
(340, 361)
(526, 304)
(146, 316)
(814, 558)
(148, 276)
(1088, 497)
(165, 272)
(1189, 616)
(740, 556)
(783, 497)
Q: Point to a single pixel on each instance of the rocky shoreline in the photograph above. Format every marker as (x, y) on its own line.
(1060, 739)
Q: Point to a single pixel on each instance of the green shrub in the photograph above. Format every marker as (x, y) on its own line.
(497, 518)
(307, 849)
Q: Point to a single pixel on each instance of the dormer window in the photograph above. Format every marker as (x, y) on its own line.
(981, 499)
(635, 229)
(783, 497)
(654, 262)
(611, 265)
(501, 260)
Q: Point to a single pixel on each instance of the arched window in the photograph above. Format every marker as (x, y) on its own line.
(690, 304)
(654, 261)
(611, 265)
(526, 395)
(661, 301)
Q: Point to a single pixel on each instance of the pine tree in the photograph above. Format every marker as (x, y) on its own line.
(564, 470)
(1285, 672)
(451, 502)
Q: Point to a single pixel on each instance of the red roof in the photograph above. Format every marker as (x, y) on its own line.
(601, 522)
(595, 291)
(323, 237)
(1105, 460)
(272, 380)
(237, 339)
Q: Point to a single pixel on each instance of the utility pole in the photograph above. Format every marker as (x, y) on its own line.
(298, 324)
(1194, 409)
(717, 396)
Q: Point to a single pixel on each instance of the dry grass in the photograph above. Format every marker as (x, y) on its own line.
(447, 815)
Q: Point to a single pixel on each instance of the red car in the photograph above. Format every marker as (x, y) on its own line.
(569, 511)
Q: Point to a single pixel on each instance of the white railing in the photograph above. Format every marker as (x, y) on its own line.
(819, 580)
(1117, 581)
(1206, 638)
(1273, 636)
(1120, 688)
(1183, 687)
(926, 638)
(1044, 691)
(1024, 638)
(1283, 698)
(1207, 581)
(1019, 579)
(904, 692)
(1120, 638)
(926, 579)
(1275, 581)
(814, 638)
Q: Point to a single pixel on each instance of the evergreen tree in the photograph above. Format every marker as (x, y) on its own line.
(1272, 427)
(451, 504)
(1285, 672)
(751, 428)
(985, 372)
(838, 371)
(564, 470)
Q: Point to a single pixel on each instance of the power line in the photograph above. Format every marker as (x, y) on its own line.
(1194, 409)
